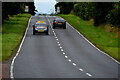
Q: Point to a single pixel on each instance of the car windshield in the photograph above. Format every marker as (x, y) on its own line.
(41, 25)
(58, 19)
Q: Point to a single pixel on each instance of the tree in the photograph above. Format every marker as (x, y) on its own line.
(65, 7)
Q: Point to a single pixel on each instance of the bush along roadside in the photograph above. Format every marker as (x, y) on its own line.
(12, 34)
(106, 41)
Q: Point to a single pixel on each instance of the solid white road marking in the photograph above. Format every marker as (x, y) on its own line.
(92, 44)
(13, 60)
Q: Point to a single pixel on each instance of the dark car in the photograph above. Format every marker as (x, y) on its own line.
(59, 22)
(40, 26)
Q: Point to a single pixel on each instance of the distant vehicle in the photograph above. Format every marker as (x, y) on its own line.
(58, 22)
(40, 26)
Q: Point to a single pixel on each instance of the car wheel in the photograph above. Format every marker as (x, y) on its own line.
(47, 33)
(64, 27)
(33, 32)
(53, 27)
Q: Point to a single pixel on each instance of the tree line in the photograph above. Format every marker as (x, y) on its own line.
(13, 8)
(101, 12)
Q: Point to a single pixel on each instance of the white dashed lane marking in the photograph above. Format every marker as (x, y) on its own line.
(88, 74)
(69, 60)
(64, 53)
(66, 56)
(81, 69)
(55, 37)
(74, 64)
(58, 44)
(61, 48)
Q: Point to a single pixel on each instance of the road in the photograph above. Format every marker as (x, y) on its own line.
(62, 54)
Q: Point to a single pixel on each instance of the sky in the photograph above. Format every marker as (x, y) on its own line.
(45, 6)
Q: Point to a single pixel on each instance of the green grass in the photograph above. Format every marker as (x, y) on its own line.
(12, 33)
(106, 41)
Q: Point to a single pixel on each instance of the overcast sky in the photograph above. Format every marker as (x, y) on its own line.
(45, 6)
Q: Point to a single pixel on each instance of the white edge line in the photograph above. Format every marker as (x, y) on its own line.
(13, 60)
(93, 45)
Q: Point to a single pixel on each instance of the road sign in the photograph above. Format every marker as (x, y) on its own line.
(26, 8)
(58, 9)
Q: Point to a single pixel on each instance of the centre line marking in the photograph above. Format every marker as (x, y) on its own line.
(58, 44)
(55, 37)
(74, 64)
(61, 49)
(88, 74)
(63, 52)
(81, 69)
(69, 60)
(66, 56)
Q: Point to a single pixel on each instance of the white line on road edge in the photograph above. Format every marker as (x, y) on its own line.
(92, 44)
(13, 61)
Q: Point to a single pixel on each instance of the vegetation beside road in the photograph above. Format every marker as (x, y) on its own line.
(14, 8)
(107, 13)
(12, 33)
(99, 36)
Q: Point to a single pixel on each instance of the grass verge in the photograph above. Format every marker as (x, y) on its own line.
(106, 41)
(12, 33)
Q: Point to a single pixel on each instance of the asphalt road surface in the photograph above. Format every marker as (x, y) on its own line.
(62, 54)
